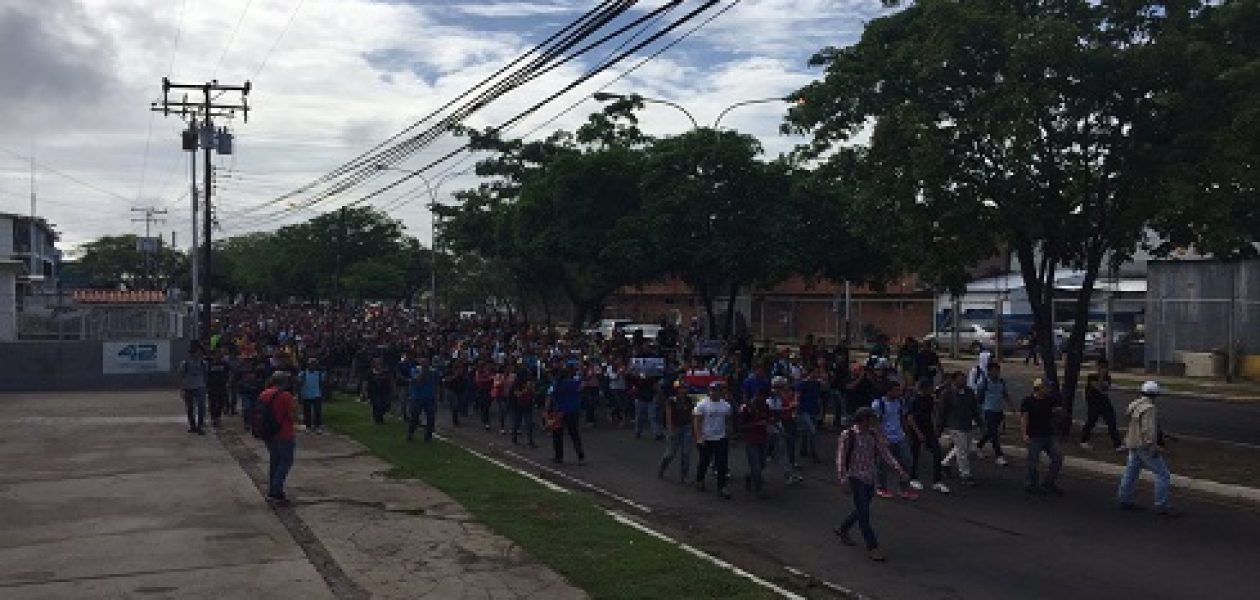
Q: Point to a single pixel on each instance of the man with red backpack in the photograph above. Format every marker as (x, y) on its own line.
(273, 424)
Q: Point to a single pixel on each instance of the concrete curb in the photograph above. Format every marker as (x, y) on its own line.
(1225, 491)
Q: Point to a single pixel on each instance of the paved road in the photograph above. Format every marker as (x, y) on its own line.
(1236, 422)
(993, 541)
(105, 496)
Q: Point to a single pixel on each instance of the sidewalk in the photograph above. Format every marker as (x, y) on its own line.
(394, 538)
(106, 496)
(1173, 385)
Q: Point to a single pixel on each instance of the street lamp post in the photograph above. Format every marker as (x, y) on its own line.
(608, 96)
(433, 202)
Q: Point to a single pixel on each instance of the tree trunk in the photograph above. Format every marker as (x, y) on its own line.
(707, 300)
(729, 329)
(1076, 342)
(1039, 285)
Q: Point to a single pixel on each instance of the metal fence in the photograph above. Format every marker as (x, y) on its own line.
(55, 317)
(1202, 315)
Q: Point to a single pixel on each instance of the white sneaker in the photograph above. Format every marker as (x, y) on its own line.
(916, 485)
(941, 487)
(1001, 461)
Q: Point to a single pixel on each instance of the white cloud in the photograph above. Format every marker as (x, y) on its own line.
(347, 74)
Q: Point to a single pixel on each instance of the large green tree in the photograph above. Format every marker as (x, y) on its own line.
(1022, 126)
(113, 261)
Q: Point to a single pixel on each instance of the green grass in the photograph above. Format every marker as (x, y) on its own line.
(569, 533)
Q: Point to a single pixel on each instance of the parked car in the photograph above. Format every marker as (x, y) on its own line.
(605, 327)
(972, 338)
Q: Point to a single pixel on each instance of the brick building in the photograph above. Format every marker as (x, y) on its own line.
(793, 309)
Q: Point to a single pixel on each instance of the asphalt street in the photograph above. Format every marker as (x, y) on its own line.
(991, 541)
(1181, 413)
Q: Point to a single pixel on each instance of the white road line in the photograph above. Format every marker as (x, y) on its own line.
(835, 587)
(494, 461)
(624, 520)
(583, 483)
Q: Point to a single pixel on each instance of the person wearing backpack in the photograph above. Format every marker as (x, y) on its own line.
(311, 385)
(861, 447)
(892, 413)
(422, 397)
(192, 384)
(276, 408)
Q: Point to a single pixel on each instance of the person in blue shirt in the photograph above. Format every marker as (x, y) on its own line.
(808, 410)
(311, 383)
(892, 410)
(422, 396)
(757, 382)
(565, 398)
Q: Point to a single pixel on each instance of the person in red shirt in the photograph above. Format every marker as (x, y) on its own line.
(280, 446)
(754, 417)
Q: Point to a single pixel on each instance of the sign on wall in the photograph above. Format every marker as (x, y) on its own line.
(145, 356)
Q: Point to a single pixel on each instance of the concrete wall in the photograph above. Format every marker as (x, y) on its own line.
(73, 365)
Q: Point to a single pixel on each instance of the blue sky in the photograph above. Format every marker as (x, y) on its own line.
(332, 78)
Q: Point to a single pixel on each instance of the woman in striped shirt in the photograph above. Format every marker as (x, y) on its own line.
(860, 446)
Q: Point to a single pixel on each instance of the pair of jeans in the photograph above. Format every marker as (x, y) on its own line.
(569, 423)
(993, 420)
(900, 450)
(248, 400)
(1037, 445)
(380, 406)
(195, 407)
(960, 451)
(218, 400)
(779, 449)
(523, 415)
(715, 453)
(933, 446)
(590, 401)
(618, 404)
(807, 426)
(756, 454)
(863, 493)
(1105, 411)
(414, 407)
(1153, 462)
(645, 415)
(313, 413)
(281, 454)
(680, 443)
(457, 406)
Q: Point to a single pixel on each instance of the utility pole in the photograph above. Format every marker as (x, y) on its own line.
(146, 246)
(210, 140)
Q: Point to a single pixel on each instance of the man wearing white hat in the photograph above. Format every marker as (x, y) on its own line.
(1145, 447)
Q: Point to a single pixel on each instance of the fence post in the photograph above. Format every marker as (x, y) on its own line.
(1231, 352)
(953, 336)
(997, 326)
(1159, 339)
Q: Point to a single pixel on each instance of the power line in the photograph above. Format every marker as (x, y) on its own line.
(148, 139)
(401, 151)
(544, 50)
(85, 184)
(231, 38)
(283, 31)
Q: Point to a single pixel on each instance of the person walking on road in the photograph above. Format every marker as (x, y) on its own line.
(860, 447)
(754, 418)
(1098, 406)
(925, 435)
(218, 376)
(524, 394)
(281, 445)
(892, 415)
(995, 400)
(959, 411)
(710, 424)
(380, 390)
(566, 399)
(1037, 415)
(192, 384)
(422, 397)
(311, 385)
(678, 409)
(1144, 442)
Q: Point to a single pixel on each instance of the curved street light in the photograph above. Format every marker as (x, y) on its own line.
(433, 251)
(717, 122)
(608, 96)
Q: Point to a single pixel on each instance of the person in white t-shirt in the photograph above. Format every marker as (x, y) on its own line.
(710, 424)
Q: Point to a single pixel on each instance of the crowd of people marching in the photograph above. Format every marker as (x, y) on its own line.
(901, 415)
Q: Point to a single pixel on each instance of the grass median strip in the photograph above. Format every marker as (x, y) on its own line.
(569, 533)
